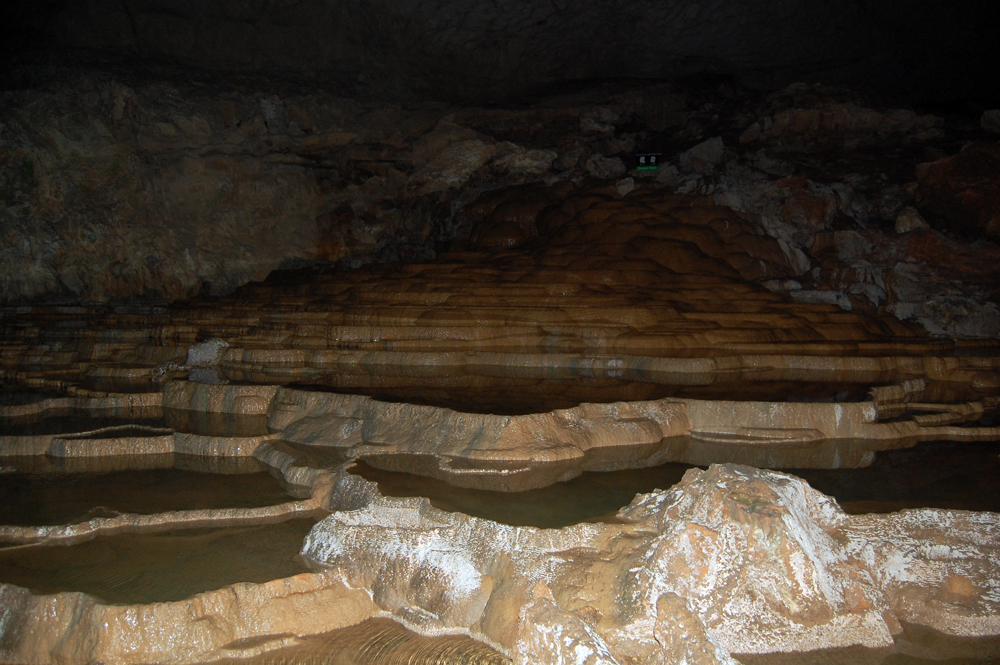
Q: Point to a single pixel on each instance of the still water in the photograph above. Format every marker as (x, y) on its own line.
(43, 499)
(930, 475)
(147, 568)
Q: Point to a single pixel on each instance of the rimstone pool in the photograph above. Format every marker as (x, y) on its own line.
(243, 472)
(615, 443)
(544, 333)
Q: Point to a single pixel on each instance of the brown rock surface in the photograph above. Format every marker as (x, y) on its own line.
(742, 318)
(242, 620)
(756, 561)
(164, 191)
(963, 189)
(803, 117)
(514, 453)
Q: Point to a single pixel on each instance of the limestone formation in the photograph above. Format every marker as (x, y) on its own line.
(514, 453)
(732, 562)
(412, 180)
(802, 117)
(239, 621)
(490, 297)
(909, 219)
(754, 561)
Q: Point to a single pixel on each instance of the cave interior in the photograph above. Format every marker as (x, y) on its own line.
(615, 332)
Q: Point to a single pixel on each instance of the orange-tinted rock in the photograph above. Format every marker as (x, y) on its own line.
(242, 620)
(964, 189)
(803, 117)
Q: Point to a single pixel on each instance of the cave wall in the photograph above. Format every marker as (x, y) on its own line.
(170, 147)
(109, 191)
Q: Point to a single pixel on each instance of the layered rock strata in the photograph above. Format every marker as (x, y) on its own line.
(591, 281)
(514, 453)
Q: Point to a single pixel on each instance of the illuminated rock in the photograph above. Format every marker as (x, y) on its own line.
(753, 561)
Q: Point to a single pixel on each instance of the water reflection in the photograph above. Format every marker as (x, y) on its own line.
(515, 396)
(520, 390)
(208, 423)
(101, 464)
(930, 475)
(70, 424)
(589, 497)
(146, 568)
(43, 499)
(941, 474)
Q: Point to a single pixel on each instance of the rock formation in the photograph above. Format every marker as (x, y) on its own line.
(732, 562)
(748, 562)
(494, 297)
(755, 562)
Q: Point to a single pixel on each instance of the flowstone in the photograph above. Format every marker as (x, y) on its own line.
(756, 562)
(732, 564)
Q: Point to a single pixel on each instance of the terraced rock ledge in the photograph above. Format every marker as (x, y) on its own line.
(732, 563)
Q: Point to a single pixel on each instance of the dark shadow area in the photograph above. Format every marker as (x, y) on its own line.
(959, 476)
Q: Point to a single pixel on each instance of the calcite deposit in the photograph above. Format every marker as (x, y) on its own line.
(493, 297)
(732, 563)
(755, 562)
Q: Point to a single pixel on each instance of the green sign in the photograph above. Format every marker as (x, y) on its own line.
(647, 161)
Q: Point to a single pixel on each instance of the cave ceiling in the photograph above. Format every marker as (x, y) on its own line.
(501, 52)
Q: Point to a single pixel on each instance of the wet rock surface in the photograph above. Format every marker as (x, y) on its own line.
(788, 290)
(755, 562)
(730, 563)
